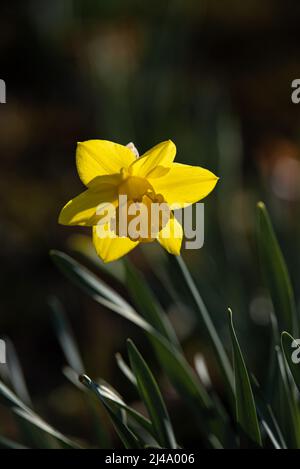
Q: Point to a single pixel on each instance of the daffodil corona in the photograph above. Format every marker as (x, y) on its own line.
(130, 199)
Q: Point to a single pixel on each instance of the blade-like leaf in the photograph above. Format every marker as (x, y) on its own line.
(108, 393)
(125, 369)
(270, 434)
(291, 350)
(6, 443)
(267, 417)
(9, 399)
(173, 362)
(112, 397)
(182, 376)
(285, 403)
(214, 442)
(97, 289)
(72, 354)
(129, 439)
(37, 422)
(16, 376)
(209, 327)
(245, 406)
(152, 398)
(147, 304)
(276, 273)
(65, 336)
(19, 408)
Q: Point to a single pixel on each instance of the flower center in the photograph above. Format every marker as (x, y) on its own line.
(142, 205)
(135, 188)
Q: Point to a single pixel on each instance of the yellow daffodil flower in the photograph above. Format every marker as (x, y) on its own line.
(110, 170)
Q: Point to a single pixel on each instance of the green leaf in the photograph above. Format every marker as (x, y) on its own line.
(291, 351)
(115, 399)
(37, 423)
(9, 399)
(182, 377)
(270, 434)
(15, 372)
(285, 403)
(152, 398)
(267, 417)
(73, 357)
(20, 409)
(128, 438)
(173, 362)
(125, 369)
(32, 435)
(6, 443)
(210, 329)
(112, 397)
(245, 406)
(147, 304)
(65, 336)
(214, 442)
(97, 289)
(276, 273)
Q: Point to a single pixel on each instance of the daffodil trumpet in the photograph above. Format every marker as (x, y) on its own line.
(130, 199)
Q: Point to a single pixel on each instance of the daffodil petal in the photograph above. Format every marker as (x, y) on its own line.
(111, 248)
(96, 158)
(156, 161)
(83, 209)
(107, 181)
(170, 237)
(184, 185)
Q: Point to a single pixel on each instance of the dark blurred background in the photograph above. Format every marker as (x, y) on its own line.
(213, 76)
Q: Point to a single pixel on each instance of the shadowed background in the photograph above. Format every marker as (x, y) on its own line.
(215, 77)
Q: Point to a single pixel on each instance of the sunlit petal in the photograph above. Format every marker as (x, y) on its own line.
(111, 247)
(156, 161)
(170, 237)
(96, 158)
(83, 209)
(184, 185)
